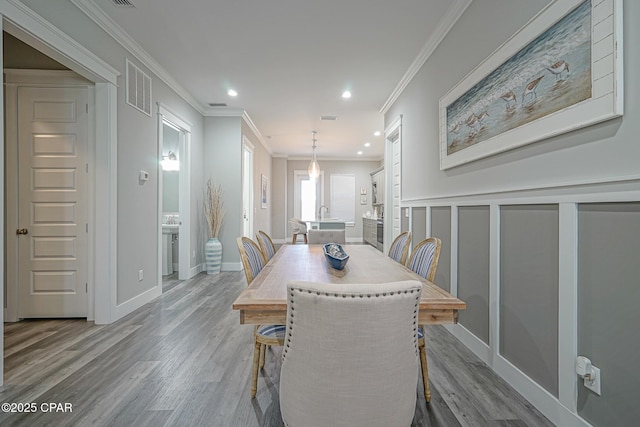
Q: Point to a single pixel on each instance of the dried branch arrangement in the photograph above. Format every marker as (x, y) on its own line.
(213, 212)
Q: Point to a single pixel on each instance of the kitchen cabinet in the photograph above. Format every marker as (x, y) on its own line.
(369, 231)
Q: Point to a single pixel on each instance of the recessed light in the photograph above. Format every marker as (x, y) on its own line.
(232, 92)
(367, 144)
(377, 133)
(346, 94)
(359, 153)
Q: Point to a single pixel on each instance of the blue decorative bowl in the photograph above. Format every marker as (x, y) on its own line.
(335, 255)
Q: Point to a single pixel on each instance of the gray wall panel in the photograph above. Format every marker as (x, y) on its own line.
(404, 219)
(418, 225)
(441, 228)
(608, 314)
(529, 291)
(473, 269)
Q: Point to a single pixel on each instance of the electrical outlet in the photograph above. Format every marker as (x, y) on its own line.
(140, 275)
(594, 385)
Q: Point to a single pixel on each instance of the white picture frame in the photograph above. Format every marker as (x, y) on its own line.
(604, 102)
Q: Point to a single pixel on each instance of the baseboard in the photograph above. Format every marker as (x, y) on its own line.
(196, 270)
(540, 398)
(231, 266)
(354, 240)
(137, 302)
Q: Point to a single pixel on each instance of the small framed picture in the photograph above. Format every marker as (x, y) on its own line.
(264, 191)
(363, 190)
(363, 199)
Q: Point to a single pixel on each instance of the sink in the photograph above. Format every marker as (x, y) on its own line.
(170, 228)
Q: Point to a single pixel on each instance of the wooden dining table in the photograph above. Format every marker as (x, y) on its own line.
(264, 301)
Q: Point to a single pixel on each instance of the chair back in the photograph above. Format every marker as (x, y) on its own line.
(400, 247)
(297, 226)
(335, 370)
(251, 256)
(424, 258)
(266, 244)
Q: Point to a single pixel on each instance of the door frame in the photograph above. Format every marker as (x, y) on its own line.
(184, 191)
(247, 185)
(15, 79)
(392, 134)
(21, 22)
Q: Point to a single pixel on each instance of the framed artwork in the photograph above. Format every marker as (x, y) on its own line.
(560, 72)
(363, 190)
(363, 199)
(264, 191)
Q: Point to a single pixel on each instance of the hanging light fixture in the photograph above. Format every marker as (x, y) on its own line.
(314, 167)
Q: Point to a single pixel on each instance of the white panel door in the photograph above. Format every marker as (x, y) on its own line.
(52, 202)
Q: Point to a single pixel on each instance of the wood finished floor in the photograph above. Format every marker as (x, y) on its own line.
(184, 360)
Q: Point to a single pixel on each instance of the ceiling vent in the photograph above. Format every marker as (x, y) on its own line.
(329, 118)
(122, 3)
(217, 104)
(138, 89)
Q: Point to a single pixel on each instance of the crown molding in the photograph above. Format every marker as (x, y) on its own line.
(256, 132)
(22, 21)
(332, 159)
(104, 21)
(453, 14)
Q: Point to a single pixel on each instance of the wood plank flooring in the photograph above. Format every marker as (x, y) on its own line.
(184, 360)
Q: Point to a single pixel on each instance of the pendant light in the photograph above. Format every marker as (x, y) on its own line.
(314, 167)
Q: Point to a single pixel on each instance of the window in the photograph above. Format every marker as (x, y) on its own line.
(308, 195)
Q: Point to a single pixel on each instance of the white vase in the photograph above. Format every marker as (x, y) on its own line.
(213, 255)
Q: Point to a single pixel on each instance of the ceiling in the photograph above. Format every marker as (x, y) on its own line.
(290, 61)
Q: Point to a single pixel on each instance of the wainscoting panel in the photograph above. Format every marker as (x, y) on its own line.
(608, 313)
(418, 225)
(528, 302)
(473, 269)
(441, 228)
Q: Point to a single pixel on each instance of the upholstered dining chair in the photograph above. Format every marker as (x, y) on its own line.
(334, 371)
(266, 244)
(424, 261)
(253, 260)
(297, 227)
(399, 249)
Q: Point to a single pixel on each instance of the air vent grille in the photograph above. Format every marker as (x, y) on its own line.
(217, 104)
(123, 3)
(138, 89)
(330, 118)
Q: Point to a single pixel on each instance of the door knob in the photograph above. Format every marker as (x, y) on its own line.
(22, 231)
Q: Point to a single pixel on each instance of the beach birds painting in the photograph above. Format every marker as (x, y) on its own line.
(551, 73)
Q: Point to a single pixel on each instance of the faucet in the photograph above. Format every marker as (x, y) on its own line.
(320, 211)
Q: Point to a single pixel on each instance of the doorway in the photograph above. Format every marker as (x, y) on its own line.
(174, 189)
(247, 187)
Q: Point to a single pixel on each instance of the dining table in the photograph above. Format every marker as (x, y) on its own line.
(264, 300)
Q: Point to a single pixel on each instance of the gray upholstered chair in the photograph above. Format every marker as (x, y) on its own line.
(266, 244)
(334, 370)
(253, 260)
(424, 261)
(297, 227)
(400, 247)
